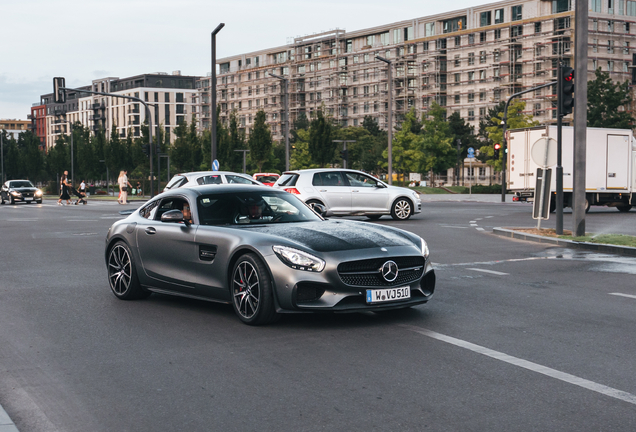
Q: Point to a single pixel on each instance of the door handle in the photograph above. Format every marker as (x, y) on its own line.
(355, 190)
(150, 230)
(323, 190)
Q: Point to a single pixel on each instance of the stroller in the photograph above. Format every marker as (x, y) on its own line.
(81, 196)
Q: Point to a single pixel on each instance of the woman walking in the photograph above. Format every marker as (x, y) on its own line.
(123, 187)
(64, 187)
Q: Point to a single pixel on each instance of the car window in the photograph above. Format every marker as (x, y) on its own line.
(176, 182)
(329, 178)
(147, 210)
(210, 179)
(267, 179)
(238, 179)
(253, 208)
(360, 180)
(287, 180)
(168, 204)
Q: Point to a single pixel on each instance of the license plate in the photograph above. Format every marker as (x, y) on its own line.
(28, 199)
(388, 294)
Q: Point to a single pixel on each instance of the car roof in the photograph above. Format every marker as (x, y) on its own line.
(198, 173)
(316, 170)
(199, 190)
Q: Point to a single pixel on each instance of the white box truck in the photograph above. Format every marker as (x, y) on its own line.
(610, 178)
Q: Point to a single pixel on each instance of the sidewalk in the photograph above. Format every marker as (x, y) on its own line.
(6, 424)
(490, 198)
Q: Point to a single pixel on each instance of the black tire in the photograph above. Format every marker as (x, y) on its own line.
(252, 291)
(122, 274)
(311, 203)
(39, 201)
(374, 217)
(402, 209)
(624, 208)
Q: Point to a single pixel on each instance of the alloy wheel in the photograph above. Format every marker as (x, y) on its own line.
(246, 289)
(119, 270)
(402, 209)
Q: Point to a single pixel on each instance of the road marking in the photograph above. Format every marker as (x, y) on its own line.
(623, 295)
(479, 229)
(534, 367)
(489, 271)
(494, 262)
(473, 225)
(488, 217)
(81, 220)
(478, 219)
(472, 222)
(450, 226)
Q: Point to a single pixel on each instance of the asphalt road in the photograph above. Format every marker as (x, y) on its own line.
(518, 336)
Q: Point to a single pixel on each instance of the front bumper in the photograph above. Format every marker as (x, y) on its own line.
(301, 291)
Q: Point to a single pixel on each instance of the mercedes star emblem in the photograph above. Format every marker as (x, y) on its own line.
(389, 271)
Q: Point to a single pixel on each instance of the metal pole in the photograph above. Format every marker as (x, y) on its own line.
(580, 117)
(390, 117)
(559, 167)
(286, 126)
(2, 152)
(213, 95)
(459, 143)
(72, 158)
(244, 157)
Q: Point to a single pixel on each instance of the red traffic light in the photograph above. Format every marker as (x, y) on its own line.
(497, 146)
(569, 77)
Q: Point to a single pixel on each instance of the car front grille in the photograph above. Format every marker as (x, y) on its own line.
(366, 273)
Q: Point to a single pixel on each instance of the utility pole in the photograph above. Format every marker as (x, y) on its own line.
(285, 82)
(2, 152)
(244, 157)
(213, 95)
(390, 116)
(580, 118)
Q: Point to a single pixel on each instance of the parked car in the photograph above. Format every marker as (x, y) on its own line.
(265, 252)
(268, 179)
(208, 177)
(349, 192)
(20, 190)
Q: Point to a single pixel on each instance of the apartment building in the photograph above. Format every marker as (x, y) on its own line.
(170, 99)
(466, 60)
(14, 127)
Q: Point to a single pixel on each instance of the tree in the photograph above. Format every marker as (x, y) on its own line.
(516, 120)
(260, 141)
(606, 102)
(300, 158)
(436, 147)
(407, 145)
(371, 125)
(321, 147)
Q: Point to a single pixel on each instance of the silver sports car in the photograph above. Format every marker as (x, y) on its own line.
(265, 252)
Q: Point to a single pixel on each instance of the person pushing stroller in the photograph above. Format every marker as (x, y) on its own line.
(80, 194)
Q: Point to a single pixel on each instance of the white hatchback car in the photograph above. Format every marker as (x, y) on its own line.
(349, 192)
(209, 177)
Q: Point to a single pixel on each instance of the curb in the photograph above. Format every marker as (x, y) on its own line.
(6, 424)
(596, 247)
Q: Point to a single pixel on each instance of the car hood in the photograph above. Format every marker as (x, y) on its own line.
(330, 235)
(24, 189)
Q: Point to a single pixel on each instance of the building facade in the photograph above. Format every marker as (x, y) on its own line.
(170, 99)
(14, 127)
(467, 60)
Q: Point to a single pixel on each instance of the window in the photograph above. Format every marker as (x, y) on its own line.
(484, 19)
(626, 27)
(457, 99)
(559, 6)
(471, 58)
(482, 37)
(167, 97)
(430, 29)
(537, 27)
(482, 56)
(610, 47)
(471, 115)
(516, 31)
(630, 8)
(610, 6)
(625, 66)
(471, 97)
(471, 39)
(610, 26)
(499, 16)
(471, 77)
(594, 64)
(482, 113)
(594, 45)
(453, 25)
(458, 41)
(596, 5)
(458, 78)
(497, 34)
(610, 66)
(621, 7)
(516, 13)
(626, 48)
(457, 61)
(482, 75)
(482, 96)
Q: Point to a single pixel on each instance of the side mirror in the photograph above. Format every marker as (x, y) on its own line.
(380, 185)
(320, 209)
(174, 216)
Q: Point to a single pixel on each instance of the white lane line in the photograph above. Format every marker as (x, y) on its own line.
(489, 271)
(81, 220)
(440, 265)
(473, 225)
(472, 222)
(450, 226)
(623, 295)
(478, 219)
(479, 229)
(488, 217)
(544, 370)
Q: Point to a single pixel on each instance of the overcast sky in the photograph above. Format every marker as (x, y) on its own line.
(89, 39)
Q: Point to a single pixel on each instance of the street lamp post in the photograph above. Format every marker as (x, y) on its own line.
(390, 116)
(286, 85)
(72, 159)
(2, 153)
(213, 95)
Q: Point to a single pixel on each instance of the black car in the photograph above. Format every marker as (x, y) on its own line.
(265, 252)
(20, 190)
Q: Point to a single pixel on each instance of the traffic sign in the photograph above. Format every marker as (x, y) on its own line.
(544, 152)
(471, 152)
(215, 165)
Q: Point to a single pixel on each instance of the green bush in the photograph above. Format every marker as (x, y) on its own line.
(484, 189)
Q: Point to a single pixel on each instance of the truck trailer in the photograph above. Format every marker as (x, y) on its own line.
(610, 178)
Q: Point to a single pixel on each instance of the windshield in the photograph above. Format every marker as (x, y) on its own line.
(21, 184)
(176, 182)
(267, 179)
(238, 179)
(262, 207)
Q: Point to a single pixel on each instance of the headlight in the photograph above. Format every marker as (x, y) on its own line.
(299, 260)
(424, 247)
(15, 193)
(38, 192)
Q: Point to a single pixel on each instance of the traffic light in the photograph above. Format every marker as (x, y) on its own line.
(497, 148)
(567, 90)
(344, 154)
(146, 149)
(59, 93)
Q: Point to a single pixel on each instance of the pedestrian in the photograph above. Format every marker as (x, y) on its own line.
(124, 184)
(81, 193)
(138, 188)
(64, 188)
